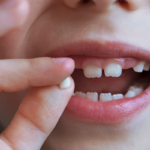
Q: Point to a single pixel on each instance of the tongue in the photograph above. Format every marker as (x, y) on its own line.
(105, 84)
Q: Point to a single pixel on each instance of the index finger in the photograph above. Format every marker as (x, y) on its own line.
(20, 74)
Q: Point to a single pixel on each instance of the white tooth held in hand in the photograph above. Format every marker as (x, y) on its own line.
(92, 96)
(146, 67)
(92, 71)
(130, 94)
(117, 96)
(113, 70)
(104, 97)
(65, 84)
(139, 67)
(80, 94)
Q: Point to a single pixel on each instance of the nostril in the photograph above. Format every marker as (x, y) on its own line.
(83, 2)
(86, 1)
(130, 5)
(123, 3)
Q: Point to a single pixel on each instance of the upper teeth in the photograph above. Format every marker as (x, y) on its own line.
(92, 71)
(112, 70)
(139, 67)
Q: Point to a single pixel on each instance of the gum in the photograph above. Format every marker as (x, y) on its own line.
(82, 61)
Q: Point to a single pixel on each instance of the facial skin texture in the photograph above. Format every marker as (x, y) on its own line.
(50, 24)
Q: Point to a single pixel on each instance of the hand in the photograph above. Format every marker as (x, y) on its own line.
(42, 107)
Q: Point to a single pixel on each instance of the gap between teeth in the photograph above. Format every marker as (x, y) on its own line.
(104, 97)
(112, 70)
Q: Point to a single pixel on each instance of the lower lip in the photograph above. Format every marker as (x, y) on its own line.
(108, 112)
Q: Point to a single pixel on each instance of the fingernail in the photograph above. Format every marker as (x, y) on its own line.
(9, 3)
(59, 60)
(65, 84)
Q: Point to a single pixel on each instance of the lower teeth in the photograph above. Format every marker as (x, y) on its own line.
(104, 97)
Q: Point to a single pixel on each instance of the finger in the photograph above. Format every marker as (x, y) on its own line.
(36, 117)
(13, 13)
(16, 75)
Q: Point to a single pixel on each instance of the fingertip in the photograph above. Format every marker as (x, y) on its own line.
(69, 65)
(72, 84)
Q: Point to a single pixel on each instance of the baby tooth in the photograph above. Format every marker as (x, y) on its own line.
(80, 94)
(113, 69)
(117, 96)
(65, 84)
(104, 97)
(130, 94)
(92, 71)
(139, 67)
(92, 96)
(146, 67)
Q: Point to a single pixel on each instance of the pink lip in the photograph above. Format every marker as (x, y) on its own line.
(108, 112)
(107, 50)
(113, 111)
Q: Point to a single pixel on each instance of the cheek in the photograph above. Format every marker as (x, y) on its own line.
(9, 103)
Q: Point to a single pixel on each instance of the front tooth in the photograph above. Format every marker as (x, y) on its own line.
(146, 67)
(113, 69)
(117, 96)
(139, 67)
(104, 97)
(130, 94)
(92, 96)
(92, 71)
(80, 94)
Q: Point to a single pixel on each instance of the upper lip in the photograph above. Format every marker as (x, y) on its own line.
(106, 49)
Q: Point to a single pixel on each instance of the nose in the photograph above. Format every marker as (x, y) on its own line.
(102, 5)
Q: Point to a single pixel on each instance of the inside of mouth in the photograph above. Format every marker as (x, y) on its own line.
(129, 84)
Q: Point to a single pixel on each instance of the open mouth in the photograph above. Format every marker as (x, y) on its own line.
(103, 80)
(111, 84)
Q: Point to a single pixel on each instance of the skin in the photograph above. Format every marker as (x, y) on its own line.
(37, 27)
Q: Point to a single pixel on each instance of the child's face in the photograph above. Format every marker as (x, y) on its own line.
(105, 24)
